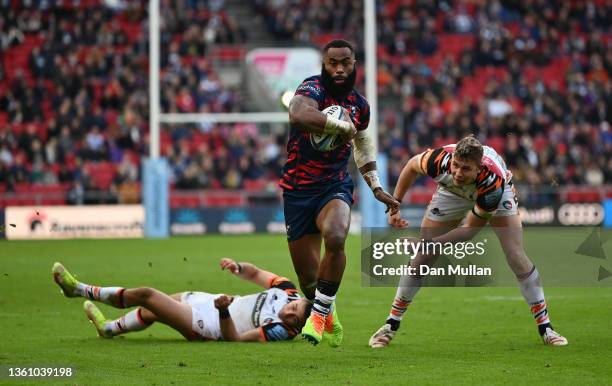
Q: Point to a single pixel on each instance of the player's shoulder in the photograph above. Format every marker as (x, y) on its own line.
(281, 282)
(435, 162)
(311, 87)
(493, 163)
(312, 81)
(359, 100)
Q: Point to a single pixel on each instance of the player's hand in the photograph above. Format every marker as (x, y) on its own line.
(387, 199)
(351, 133)
(396, 220)
(353, 130)
(223, 301)
(230, 265)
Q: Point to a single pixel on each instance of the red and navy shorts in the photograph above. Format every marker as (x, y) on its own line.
(303, 206)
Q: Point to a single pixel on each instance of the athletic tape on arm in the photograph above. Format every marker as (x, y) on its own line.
(364, 151)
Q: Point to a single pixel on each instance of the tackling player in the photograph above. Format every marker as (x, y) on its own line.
(475, 186)
(278, 313)
(317, 188)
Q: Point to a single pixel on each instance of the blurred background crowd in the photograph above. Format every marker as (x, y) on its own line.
(531, 78)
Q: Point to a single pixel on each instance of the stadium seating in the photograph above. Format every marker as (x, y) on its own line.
(445, 66)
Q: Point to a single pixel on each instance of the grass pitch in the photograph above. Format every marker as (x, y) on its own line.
(450, 335)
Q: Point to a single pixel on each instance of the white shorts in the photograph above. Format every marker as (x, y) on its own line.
(447, 206)
(204, 315)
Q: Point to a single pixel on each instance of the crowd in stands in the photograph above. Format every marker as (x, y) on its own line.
(530, 78)
(74, 98)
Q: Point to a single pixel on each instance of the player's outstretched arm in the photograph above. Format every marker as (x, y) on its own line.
(365, 158)
(305, 115)
(228, 329)
(409, 174)
(248, 271)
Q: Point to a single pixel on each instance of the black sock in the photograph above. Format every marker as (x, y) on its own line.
(395, 324)
(542, 328)
(328, 288)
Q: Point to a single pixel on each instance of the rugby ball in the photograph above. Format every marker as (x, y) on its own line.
(329, 142)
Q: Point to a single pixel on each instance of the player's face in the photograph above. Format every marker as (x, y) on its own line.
(339, 64)
(464, 171)
(338, 72)
(293, 313)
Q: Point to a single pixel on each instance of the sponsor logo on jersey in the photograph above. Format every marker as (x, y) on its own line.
(308, 87)
(259, 303)
(437, 212)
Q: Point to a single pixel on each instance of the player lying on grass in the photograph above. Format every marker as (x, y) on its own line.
(278, 313)
(475, 186)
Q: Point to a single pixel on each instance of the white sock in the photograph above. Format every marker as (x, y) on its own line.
(322, 303)
(531, 288)
(132, 321)
(406, 291)
(113, 296)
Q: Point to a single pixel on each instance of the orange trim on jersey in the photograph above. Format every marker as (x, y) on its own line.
(276, 280)
(262, 333)
(438, 162)
(481, 190)
(424, 158)
(271, 282)
(291, 291)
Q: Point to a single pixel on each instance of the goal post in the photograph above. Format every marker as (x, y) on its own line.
(372, 211)
(156, 169)
(155, 178)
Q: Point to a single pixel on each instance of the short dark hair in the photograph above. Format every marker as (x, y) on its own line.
(469, 148)
(338, 43)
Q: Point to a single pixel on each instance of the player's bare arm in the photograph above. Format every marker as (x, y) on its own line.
(409, 174)
(304, 114)
(248, 272)
(365, 158)
(228, 329)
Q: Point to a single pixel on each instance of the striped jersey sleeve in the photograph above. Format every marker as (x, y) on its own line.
(286, 285)
(489, 191)
(434, 162)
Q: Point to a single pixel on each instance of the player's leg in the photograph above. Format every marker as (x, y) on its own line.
(333, 221)
(306, 254)
(72, 288)
(166, 309)
(135, 320)
(509, 231)
(161, 307)
(409, 286)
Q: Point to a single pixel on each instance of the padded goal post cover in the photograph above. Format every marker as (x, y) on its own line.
(156, 198)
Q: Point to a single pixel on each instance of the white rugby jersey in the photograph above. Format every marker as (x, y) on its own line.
(261, 310)
(487, 189)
